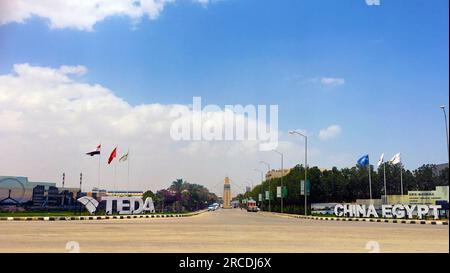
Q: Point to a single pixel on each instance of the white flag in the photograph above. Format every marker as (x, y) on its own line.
(381, 161)
(396, 159)
(124, 157)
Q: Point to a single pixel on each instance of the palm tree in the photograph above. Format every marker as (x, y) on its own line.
(177, 186)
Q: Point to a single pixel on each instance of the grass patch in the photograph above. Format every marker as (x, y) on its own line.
(64, 213)
(41, 213)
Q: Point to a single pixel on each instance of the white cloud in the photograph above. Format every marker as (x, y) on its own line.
(76, 70)
(321, 81)
(81, 15)
(49, 118)
(327, 81)
(331, 132)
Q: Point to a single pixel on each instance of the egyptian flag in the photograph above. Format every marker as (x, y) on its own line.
(112, 155)
(96, 151)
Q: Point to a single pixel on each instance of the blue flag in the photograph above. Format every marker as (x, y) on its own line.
(363, 161)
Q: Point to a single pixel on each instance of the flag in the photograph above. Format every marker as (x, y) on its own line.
(124, 157)
(363, 161)
(381, 161)
(112, 155)
(396, 159)
(96, 151)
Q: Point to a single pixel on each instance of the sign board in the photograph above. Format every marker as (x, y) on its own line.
(128, 205)
(428, 197)
(267, 195)
(278, 192)
(387, 211)
(123, 205)
(285, 192)
(260, 197)
(302, 187)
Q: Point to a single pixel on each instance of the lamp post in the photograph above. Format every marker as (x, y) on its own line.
(282, 173)
(262, 179)
(446, 131)
(268, 168)
(306, 165)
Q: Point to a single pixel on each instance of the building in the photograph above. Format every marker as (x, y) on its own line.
(428, 197)
(235, 204)
(227, 194)
(117, 193)
(437, 196)
(396, 199)
(18, 189)
(276, 173)
(437, 169)
(38, 197)
(368, 202)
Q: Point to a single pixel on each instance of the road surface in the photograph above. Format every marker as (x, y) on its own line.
(221, 231)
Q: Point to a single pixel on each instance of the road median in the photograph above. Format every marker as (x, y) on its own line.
(100, 217)
(349, 219)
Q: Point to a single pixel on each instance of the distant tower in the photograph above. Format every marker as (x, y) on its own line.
(227, 194)
(81, 180)
(63, 192)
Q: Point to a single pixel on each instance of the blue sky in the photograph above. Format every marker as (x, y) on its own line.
(392, 58)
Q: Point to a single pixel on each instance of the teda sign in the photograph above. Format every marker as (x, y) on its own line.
(387, 211)
(128, 205)
(123, 205)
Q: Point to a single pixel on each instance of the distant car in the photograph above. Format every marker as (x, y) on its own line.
(213, 207)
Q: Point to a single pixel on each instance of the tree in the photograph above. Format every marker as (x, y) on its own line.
(183, 196)
(149, 194)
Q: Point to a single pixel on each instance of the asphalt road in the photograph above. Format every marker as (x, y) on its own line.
(221, 231)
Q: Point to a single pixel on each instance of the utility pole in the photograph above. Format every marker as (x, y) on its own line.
(282, 174)
(446, 131)
(268, 168)
(306, 167)
(63, 191)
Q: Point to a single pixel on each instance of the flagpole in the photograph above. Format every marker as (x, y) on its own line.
(370, 183)
(385, 188)
(99, 160)
(115, 175)
(128, 183)
(401, 178)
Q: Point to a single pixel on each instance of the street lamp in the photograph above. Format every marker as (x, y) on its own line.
(282, 172)
(306, 165)
(446, 131)
(262, 179)
(268, 168)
